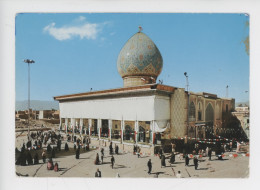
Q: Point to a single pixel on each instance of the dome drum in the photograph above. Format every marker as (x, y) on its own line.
(138, 80)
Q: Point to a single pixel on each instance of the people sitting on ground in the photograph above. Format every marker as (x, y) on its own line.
(56, 167)
(178, 175)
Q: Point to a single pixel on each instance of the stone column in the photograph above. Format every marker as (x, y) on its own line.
(110, 128)
(89, 126)
(66, 125)
(80, 125)
(73, 123)
(152, 137)
(60, 124)
(99, 127)
(122, 130)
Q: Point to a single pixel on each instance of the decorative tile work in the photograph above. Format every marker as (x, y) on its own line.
(178, 113)
(140, 53)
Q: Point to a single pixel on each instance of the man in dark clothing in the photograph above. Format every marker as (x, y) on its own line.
(187, 160)
(102, 151)
(77, 153)
(209, 153)
(149, 164)
(98, 173)
(195, 160)
(75, 138)
(53, 153)
(163, 161)
(112, 161)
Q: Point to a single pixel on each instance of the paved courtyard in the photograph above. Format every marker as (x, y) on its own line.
(129, 165)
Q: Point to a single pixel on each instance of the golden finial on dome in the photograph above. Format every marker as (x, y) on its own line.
(140, 29)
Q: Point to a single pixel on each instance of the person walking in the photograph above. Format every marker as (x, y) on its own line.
(172, 160)
(97, 160)
(112, 161)
(149, 164)
(187, 160)
(209, 153)
(163, 161)
(196, 162)
(116, 149)
(77, 153)
(138, 151)
(44, 156)
(98, 173)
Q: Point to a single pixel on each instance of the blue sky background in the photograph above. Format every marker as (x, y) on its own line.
(76, 52)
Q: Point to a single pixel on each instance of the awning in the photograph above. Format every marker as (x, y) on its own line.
(160, 126)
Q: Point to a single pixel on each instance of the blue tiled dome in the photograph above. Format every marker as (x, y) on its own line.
(139, 57)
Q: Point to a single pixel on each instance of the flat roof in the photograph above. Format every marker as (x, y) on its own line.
(117, 91)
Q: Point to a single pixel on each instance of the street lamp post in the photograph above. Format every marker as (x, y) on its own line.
(187, 87)
(29, 61)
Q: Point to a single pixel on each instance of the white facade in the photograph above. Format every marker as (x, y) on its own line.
(144, 108)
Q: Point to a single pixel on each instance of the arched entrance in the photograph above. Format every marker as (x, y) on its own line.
(209, 118)
(141, 134)
(209, 114)
(128, 133)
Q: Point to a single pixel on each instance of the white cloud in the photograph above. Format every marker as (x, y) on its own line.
(81, 18)
(85, 30)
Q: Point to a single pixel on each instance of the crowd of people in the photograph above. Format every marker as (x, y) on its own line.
(47, 144)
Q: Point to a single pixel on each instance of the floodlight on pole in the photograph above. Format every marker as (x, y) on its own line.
(29, 61)
(188, 110)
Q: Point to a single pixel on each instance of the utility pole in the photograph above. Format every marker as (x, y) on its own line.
(29, 61)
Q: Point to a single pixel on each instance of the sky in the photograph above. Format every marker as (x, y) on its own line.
(75, 52)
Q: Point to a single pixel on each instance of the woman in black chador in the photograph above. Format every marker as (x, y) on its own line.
(29, 158)
(97, 160)
(172, 160)
(116, 149)
(49, 148)
(36, 158)
(66, 147)
(77, 153)
(53, 153)
(163, 161)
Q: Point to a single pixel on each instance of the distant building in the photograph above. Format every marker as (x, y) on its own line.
(242, 113)
(142, 111)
